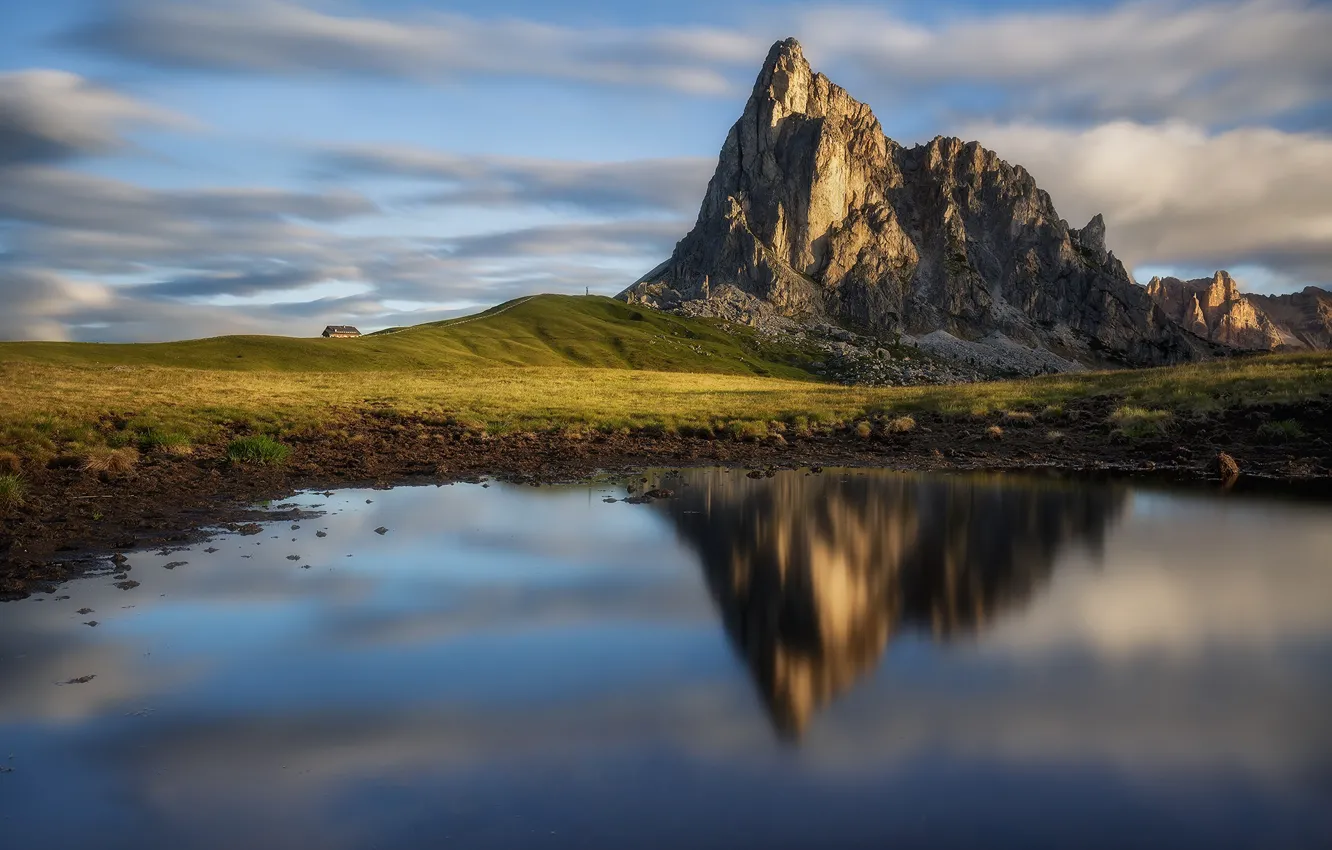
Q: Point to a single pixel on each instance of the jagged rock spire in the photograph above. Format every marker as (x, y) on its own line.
(814, 213)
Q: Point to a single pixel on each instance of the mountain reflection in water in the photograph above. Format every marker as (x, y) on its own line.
(813, 574)
(1036, 663)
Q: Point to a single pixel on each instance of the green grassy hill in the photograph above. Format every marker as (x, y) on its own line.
(546, 330)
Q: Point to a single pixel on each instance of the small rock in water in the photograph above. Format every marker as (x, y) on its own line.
(610, 500)
(249, 529)
(369, 501)
(118, 558)
(659, 493)
(321, 534)
(84, 611)
(294, 527)
(1226, 467)
(127, 585)
(82, 680)
(381, 530)
(174, 564)
(91, 623)
(210, 550)
(293, 557)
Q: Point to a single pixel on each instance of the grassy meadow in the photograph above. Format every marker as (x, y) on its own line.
(550, 362)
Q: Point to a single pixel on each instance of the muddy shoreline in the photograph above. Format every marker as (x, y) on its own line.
(72, 520)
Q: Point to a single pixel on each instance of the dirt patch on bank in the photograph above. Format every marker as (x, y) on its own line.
(71, 519)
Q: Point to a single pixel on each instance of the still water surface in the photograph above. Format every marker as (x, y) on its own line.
(851, 659)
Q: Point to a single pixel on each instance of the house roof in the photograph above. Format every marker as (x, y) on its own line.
(340, 329)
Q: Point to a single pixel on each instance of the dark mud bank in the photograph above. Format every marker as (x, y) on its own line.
(72, 520)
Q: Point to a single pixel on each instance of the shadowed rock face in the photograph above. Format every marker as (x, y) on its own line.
(813, 575)
(814, 214)
(1214, 308)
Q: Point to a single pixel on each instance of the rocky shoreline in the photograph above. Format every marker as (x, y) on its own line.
(73, 521)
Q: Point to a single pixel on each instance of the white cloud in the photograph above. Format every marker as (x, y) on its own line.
(1174, 195)
(49, 115)
(1221, 62)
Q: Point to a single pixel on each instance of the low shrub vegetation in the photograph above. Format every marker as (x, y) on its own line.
(748, 430)
(1139, 422)
(900, 425)
(111, 461)
(170, 442)
(1019, 418)
(12, 490)
(259, 450)
(10, 464)
(864, 430)
(994, 432)
(1280, 432)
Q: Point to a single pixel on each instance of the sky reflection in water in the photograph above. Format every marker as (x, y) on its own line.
(845, 659)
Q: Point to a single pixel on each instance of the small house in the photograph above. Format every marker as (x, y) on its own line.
(341, 332)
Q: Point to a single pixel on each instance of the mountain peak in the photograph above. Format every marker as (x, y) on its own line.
(815, 215)
(784, 50)
(784, 80)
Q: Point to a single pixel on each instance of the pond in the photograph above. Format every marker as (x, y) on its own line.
(851, 658)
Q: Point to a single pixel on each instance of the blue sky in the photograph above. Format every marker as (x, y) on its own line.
(173, 169)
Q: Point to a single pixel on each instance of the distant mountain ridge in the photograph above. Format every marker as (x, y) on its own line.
(1215, 309)
(815, 215)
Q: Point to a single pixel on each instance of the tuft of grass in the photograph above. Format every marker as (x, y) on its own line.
(1019, 418)
(1055, 436)
(110, 461)
(260, 450)
(1138, 423)
(10, 464)
(170, 442)
(994, 432)
(1052, 411)
(900, 425)
(1280, 432)
(12, 490)
(863, 430)
(747, 430)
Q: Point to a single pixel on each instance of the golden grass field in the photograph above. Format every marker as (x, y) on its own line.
(58, 407)
(550, 362)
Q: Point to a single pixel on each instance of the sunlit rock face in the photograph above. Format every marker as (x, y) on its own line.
(814, 214)
(814, 575)
(1214, 308)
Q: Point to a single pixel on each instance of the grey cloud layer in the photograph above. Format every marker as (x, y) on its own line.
(1174, 195)
(275, 36)
(48, 115)
(1224, 62)
(67, 231)
(1209, 62)
(667, 185)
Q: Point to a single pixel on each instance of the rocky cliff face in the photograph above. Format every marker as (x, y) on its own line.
(814, 214)
(1215, 309)
(1305, 316)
